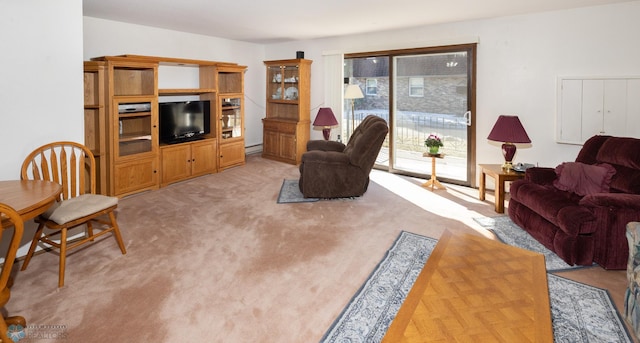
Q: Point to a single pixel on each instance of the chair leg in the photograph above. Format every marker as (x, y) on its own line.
(90, 230)
(63, 256)
(4, 331)
(116, 232)
(34, 244)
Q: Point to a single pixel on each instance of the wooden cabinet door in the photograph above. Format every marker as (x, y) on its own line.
(203, 158)
(288, 146)
(135, 176)
(176, 163)
(231, 154)
(270, 146)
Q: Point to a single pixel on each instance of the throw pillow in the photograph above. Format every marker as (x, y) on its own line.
(584, 179)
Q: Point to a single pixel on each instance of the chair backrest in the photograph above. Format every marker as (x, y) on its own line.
(365, 142)
(68, 163)
(9, 216)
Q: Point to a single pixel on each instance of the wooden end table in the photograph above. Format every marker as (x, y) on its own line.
(500, 176)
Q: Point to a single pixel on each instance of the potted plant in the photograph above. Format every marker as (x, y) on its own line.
(433, 142)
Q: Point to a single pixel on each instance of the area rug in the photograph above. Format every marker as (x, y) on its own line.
(580, 313)
(510, 233)
(290, 193)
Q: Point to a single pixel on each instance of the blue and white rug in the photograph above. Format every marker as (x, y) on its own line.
(290, 193)
(580, 313)
(510, 233)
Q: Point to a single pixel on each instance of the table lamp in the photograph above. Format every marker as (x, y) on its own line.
(353, 92)
(326, 119)
(508, 130)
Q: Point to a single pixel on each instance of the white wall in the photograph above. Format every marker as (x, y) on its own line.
(519, 59)
(109, 38)
(40, 77)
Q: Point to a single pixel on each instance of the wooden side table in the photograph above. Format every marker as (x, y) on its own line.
(500, 176)
(433, 181)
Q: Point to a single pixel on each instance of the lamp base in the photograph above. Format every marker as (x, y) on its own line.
(508, 151)
(326, 133)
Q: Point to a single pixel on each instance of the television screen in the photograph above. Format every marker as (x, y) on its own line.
(184, 121)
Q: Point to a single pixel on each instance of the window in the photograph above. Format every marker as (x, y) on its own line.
(416, 87)
(372, 87)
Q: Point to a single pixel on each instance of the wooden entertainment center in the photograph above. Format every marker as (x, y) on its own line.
(126, 143)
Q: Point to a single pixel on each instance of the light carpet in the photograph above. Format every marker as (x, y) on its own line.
(510, 233)
(580, 313)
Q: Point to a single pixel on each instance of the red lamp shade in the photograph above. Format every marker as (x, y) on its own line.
(326, 119)
(508, 129)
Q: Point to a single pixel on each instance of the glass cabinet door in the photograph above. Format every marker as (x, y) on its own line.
(135, 128)
(231, 118)
(283, 82)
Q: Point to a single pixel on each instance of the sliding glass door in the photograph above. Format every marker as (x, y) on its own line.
(420, 92)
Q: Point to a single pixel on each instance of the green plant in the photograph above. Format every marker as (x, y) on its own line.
(433, 141)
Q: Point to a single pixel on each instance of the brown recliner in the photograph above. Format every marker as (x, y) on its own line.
(332, 170)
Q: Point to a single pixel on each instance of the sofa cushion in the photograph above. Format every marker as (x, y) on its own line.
(584, 179)
(546, 201)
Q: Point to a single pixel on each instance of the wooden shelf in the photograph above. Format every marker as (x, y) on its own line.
(185, 91)
(134, 114)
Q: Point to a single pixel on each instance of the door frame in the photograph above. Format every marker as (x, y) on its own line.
(471, 50)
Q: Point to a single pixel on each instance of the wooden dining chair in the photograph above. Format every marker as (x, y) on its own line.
(74, 167)
(9, 218)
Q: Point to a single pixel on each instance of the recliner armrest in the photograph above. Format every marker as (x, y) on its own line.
(540, 175)
(323, 145)
(318, 156)
(618, 200)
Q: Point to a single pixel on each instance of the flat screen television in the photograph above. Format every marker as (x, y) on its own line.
(184, 121)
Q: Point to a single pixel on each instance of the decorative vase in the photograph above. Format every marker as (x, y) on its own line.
(434, 150)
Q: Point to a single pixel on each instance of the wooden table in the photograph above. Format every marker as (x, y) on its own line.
(433, 181)
(500, 176)
(29, 198)
(474, 289)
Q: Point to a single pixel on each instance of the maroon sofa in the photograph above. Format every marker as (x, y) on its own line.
(580, 209)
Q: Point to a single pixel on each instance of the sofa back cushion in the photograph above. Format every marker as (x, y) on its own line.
(589, 152)
(622, 153)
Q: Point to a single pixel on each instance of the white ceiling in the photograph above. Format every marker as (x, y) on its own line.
(273, 21)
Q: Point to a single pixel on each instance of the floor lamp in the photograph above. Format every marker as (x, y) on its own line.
(353, 92)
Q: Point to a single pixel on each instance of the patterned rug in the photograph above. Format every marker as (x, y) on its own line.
(510, 233)
(290, 193)
(580, 313)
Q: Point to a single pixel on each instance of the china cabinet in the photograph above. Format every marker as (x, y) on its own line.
(287, 124)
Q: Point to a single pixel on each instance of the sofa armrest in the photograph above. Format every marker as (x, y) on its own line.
(323, 145)
(540, 175)
(618, 200)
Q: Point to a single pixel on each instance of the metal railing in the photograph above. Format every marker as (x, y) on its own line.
(411, 129)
